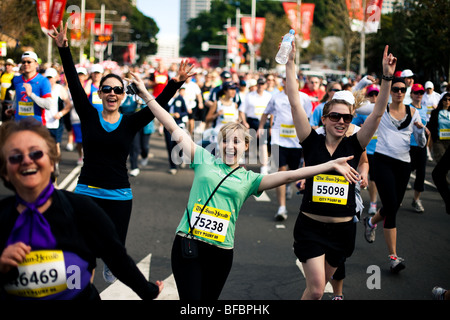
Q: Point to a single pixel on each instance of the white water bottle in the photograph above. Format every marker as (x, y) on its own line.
(285, 48)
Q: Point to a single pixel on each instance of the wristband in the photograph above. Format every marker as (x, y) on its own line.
(147, 102)
(387, 78)
(60, 114)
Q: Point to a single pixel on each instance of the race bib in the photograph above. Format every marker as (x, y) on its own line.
(96, 99)
(444, 134)
(330, 189)
(212, 224)
(259, 110)
(287, 131)
(229, 117)
(161, 79)
(26, 108)
(41, 274)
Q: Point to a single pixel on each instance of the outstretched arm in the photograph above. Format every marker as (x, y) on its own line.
(178, 134)
(299, 115)
(373, 120)
(282, 177)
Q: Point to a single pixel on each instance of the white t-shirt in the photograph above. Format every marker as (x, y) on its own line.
(283, 129)
(430, 101)
(254, 104)
(395, 143)
(57, 92)
(191, 91)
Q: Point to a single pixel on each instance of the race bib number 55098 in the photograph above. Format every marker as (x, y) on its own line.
(330, 189)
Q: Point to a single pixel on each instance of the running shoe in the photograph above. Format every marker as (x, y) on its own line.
(338, 297)
(372, 209)
(397, 264)
(289, 192)
(173, 171)
(281, 214)
(108, 275)
(417, 205)
(135, 172)
(369, 232)
(438, 293)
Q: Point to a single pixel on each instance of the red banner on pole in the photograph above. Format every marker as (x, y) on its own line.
(257, 36)
(368, 16)
(43, 8)
(56, 14)
(306, 15)
(232, 41)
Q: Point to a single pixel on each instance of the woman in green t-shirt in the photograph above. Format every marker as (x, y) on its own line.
(203, 276)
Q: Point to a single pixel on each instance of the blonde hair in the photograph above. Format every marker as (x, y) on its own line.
(233, 126)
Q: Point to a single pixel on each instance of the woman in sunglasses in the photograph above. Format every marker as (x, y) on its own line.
(324, 233)
(50, 239)
(107, 136)
(393, 167)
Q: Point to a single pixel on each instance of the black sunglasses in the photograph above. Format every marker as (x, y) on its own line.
(419, 92)
(372, 94)
(18, 158)
(27, 62)
(108, 89)
(335, 117)
(398, 89)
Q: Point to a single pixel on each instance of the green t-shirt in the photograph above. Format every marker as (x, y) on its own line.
(216, 225)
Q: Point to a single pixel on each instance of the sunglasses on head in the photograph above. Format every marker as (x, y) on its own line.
(108, 89)
(372, 94)
(335, 117)
(419, 92)
(18, 158)
(398, 89)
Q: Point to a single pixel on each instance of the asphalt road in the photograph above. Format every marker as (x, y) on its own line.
(265, 267)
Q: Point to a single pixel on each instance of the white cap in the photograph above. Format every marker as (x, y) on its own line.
(30, 54)
(82, 70)
(97, 68)
(251, 83)
(50, 73)
(407, 73)
(344, 95)
(429, 84)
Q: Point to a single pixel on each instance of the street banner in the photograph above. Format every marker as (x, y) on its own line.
(43, 8)
(232, 41)
(367, 18)
(260, 25)
(307, 17)
(50, 13)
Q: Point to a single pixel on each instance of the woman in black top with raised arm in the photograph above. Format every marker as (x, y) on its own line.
(107, 136)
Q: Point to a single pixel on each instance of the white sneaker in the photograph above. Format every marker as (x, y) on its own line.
(281, 214)
(80, 161)
(144, 162)
(69, 147)
(288, 192)
(135, 172)
(173, 171)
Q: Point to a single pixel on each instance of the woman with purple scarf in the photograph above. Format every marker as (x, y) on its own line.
(50, 239)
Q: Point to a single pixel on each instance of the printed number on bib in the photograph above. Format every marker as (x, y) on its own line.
(41, 274)
(288, 131)
(444, 134)
(26, 108)
(212, 224)
(330, 189)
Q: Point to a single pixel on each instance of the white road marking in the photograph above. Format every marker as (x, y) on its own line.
(119, 291)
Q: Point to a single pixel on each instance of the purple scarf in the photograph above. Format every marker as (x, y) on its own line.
(31, 227)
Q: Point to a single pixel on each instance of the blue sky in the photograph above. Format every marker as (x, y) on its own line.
(166, 14)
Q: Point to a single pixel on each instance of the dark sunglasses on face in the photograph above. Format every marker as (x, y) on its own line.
(335, 117)
(398, 89)
(108, 89)
(27, 62)
(18, 158)
(419, 92)
(372, 94)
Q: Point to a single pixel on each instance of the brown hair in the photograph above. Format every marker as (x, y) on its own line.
(8, 128)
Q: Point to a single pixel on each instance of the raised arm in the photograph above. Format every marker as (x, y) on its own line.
(299, 115)
(178, 134)
(373, 120)
(340, 165)
(79, 96)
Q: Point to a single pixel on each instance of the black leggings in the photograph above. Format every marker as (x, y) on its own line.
(119, 211)
(419, 164)
(204, 277)
(391, 179)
